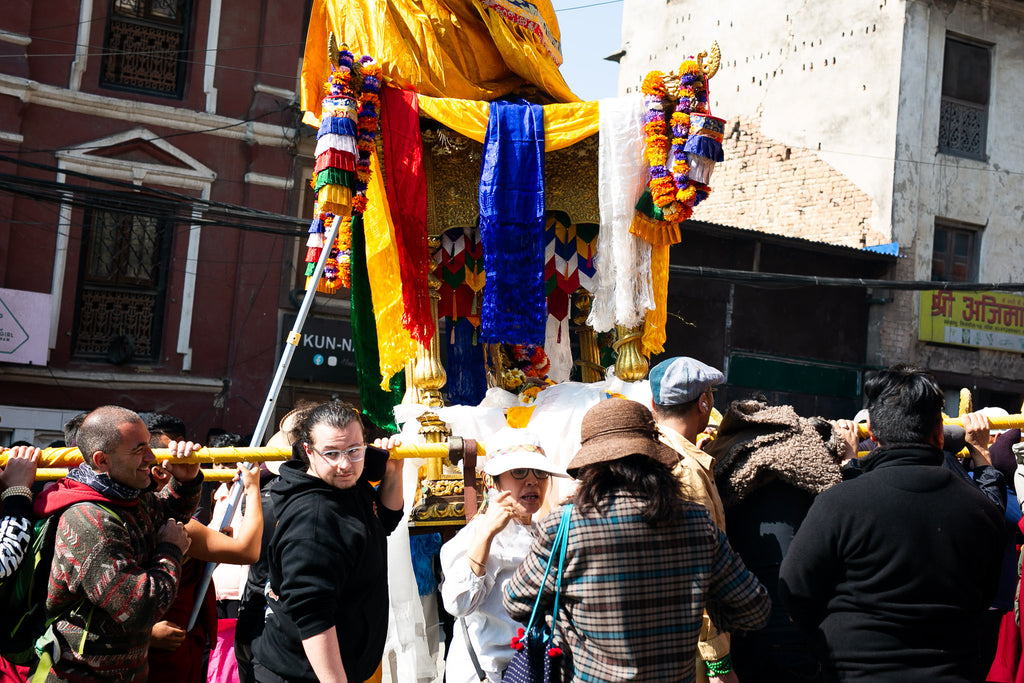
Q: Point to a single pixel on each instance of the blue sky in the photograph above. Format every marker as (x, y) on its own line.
(591, 30)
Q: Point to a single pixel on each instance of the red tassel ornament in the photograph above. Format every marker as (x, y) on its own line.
(517, 639)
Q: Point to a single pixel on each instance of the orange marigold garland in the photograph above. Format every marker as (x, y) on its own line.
(673, 194)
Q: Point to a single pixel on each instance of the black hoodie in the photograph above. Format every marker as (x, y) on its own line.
(893, 569)
(328, 567)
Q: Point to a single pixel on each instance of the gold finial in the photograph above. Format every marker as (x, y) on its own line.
(966, 402)
(333, 53)
(631, 364)
(712, 66)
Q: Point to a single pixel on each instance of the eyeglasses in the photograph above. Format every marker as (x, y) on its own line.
(521, 472)
(354, 454)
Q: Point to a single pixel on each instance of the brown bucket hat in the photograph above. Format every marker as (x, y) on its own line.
(616, 428)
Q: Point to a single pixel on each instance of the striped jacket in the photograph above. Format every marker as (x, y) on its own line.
(633, 595)
(127, 578)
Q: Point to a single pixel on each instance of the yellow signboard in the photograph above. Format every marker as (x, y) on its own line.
(988, 320)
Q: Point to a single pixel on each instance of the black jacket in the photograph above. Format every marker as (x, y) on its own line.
(893, 569)
(252, 606)
(328, 568)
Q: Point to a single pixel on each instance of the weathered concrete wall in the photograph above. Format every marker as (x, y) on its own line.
(820, 79)
(929, 185)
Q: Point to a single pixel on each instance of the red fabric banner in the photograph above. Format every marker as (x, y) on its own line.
(406, 185)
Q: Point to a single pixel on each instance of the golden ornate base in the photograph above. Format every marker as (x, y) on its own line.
(441, 501)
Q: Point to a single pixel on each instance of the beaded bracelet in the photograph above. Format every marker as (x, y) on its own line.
(719, 667)
(16, 491)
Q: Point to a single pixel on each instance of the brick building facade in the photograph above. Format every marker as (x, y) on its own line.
(147, 158)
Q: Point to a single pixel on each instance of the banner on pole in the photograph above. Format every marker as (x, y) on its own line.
(987, 320)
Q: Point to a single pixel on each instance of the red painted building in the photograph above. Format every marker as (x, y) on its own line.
(148, 163)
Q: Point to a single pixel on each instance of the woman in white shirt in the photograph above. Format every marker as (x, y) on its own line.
(481, 558)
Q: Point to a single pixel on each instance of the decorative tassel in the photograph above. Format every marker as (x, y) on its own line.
(342, 143)
(335, 199)
(333, 176)
(653, 231)
(336, 125)
(558, 349)
(657, 317)
(704, 146)
(467, 374)
(333, 158)
(701, 168)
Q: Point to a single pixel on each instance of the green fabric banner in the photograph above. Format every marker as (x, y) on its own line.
(378, 405)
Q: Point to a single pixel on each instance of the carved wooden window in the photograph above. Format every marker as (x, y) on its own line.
(145, 49)
(963, 119)
(122, 283)
(955, 253)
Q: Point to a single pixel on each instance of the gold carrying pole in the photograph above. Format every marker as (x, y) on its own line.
(69, 457)
(435, 431)
(1008, 422)
(55, 473)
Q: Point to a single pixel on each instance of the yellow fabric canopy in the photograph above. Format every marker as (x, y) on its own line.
(441, 48)
(564, 124)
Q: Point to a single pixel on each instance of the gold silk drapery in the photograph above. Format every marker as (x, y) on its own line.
(657, 318)
(564, 124)
(394, 342)
(440, 48)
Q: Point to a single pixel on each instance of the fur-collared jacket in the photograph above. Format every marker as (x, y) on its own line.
(758, 444)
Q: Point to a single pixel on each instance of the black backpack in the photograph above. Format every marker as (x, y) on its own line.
(24, 626)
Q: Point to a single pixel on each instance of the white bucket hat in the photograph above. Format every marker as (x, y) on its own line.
(511, 449)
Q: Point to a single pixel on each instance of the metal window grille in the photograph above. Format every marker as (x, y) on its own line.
(145, 46)
(966, 91)
(122, 285)
(963, 128)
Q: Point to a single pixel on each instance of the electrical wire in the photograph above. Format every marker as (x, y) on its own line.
(786, 279)
(66, 55)
(594, 4)
(157, 201)
(240, 122)
(156, 52)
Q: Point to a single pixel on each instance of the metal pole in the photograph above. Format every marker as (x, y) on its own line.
(294, 337)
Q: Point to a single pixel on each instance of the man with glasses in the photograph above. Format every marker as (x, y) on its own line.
(682, 399)
(327, 592)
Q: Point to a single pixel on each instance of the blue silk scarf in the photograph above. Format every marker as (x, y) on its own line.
(467, 376)
(512, 224)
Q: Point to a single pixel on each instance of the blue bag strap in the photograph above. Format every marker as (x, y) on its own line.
(557, 547)
(566, 514)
